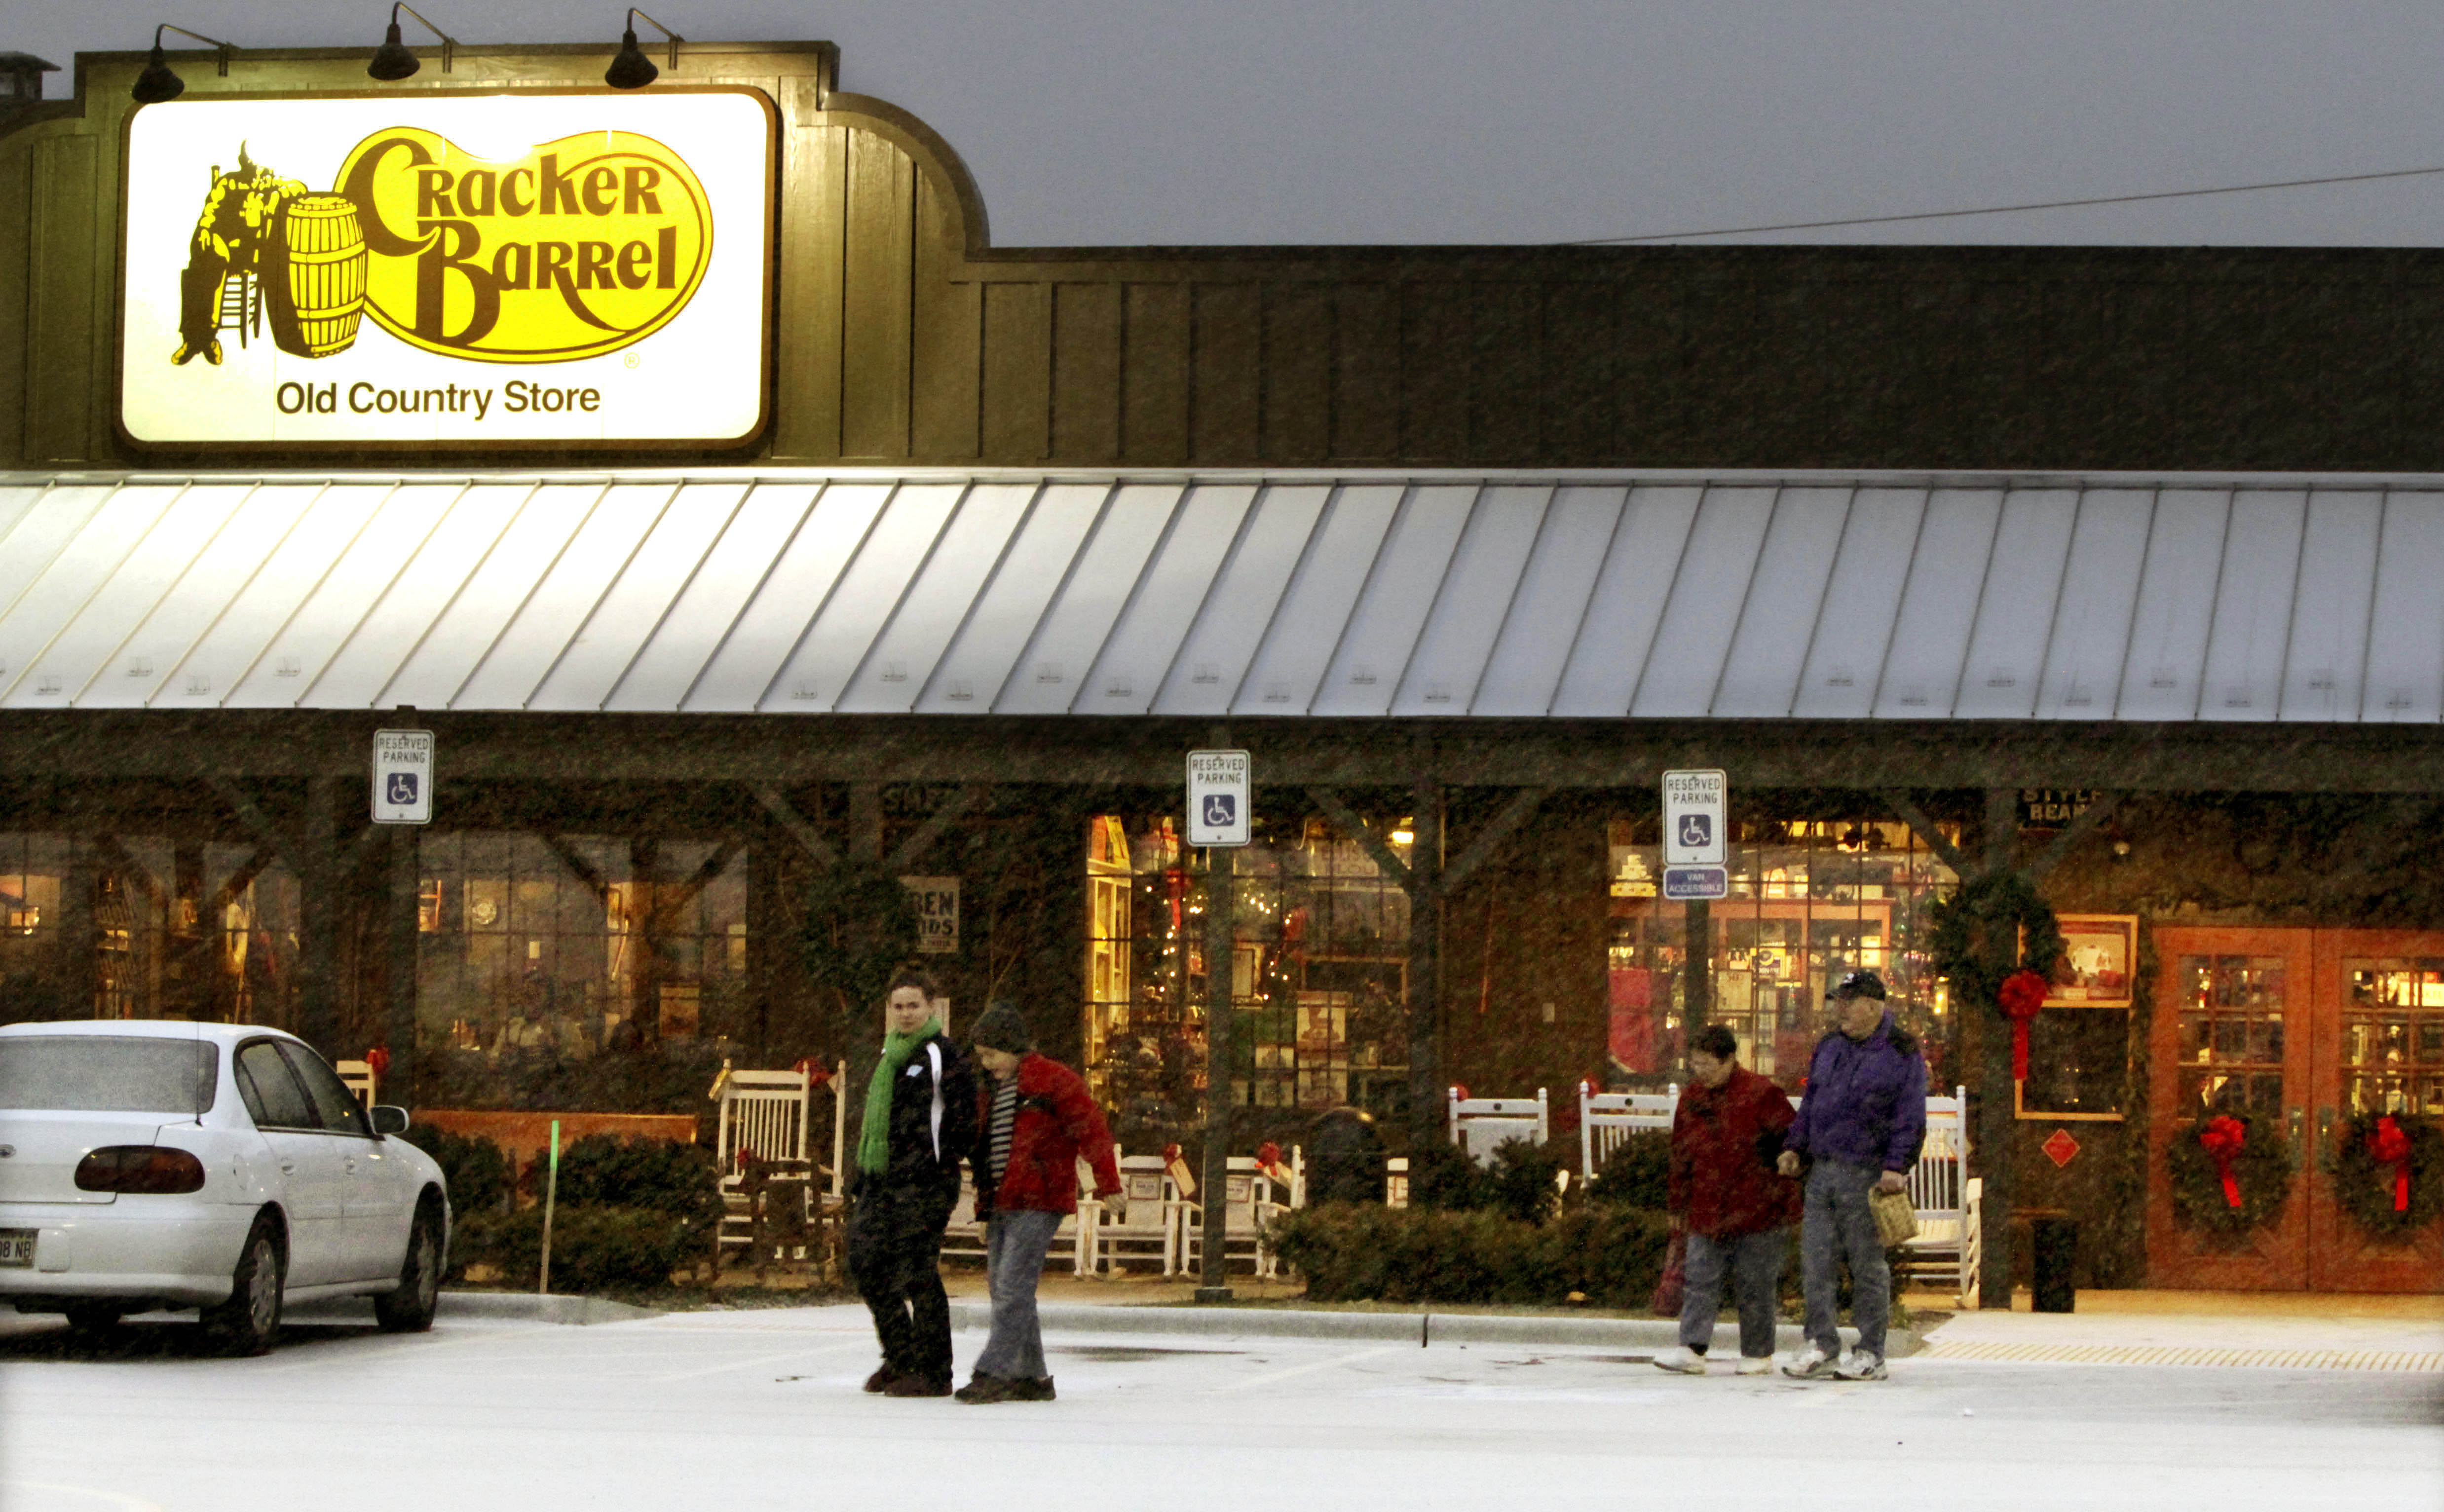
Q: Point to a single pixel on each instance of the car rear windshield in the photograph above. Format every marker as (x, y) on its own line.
(95, 1073)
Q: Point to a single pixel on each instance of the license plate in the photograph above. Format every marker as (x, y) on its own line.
(16, 1247)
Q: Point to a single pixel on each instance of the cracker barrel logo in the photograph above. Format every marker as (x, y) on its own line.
(584, 246)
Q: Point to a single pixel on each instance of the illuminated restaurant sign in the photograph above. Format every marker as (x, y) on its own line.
(560, 269)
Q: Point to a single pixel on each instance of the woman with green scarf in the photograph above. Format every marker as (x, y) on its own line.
(921, 1122)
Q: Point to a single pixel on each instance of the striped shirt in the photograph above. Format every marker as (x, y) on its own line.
(997, 1129)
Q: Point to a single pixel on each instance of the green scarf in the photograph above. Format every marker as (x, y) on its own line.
(874, 1138)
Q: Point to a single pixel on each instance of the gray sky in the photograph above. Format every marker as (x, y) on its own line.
(1125, 121)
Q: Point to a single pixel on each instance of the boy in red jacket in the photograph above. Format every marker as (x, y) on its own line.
(1727, 1196)
(1035, 1120)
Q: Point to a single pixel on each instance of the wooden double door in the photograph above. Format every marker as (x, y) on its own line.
(2302, 1029)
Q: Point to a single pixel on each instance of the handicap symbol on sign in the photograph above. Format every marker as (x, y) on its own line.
(1697, 831)
(400, 789)
(1221, 810)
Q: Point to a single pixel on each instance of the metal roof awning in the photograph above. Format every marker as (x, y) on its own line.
(1352, 595)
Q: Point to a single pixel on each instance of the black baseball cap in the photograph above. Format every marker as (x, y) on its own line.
(1858, 984)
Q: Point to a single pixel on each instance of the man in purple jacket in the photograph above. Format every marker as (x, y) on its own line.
(1861, 1121)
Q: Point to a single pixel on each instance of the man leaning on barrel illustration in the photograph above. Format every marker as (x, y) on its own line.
(240, 222)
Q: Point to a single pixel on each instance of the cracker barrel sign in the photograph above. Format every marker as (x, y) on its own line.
(553, 269)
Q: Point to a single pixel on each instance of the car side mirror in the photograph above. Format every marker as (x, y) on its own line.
(389, 1120)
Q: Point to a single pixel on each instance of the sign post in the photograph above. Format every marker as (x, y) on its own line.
(1696, 829)
(1220, 786)
(403, 777)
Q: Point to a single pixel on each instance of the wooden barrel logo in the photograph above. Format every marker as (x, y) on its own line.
(324, 286)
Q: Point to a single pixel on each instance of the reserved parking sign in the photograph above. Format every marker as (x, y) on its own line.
(1218, 793)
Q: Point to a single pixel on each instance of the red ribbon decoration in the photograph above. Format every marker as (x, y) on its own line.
(2391, 1147)
(2023, 996)
(2222, 1137)
(377, 1061)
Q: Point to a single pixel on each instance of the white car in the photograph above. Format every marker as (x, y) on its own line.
(220, 1166)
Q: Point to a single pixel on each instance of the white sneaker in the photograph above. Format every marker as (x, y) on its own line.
(1755, 1365)
(1810, 1364)
(1681, 1360)
(1861, 1365)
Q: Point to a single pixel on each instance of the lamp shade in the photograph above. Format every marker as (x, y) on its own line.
(631, 68)
(392, 61)
(156, 84)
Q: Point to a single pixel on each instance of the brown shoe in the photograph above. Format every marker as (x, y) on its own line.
(917, 1385)
(1038, 1390)
(880, 1381)
(984, 1388)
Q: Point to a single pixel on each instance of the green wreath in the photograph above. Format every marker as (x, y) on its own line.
(2003, 908)
(2364, 1185)
(2261, 1170)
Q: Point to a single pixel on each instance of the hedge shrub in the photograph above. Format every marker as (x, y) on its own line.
(1637, 1174)
(616, 1170)
(1349, 1252)
(474, 1167)
(592, 1248)
(1519, 1182)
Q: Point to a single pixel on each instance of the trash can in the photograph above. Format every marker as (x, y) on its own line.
(2056, 1246)
(1347, 1165)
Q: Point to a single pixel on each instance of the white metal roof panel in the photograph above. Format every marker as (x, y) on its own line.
(147, 663)
(1694, 639)
(1316, 607)
(2327, 659)
(1550, 608)
(2091, 633)
(601, 652)
(1145, 641)
(1619, 629)
(970, 673)
(1400, 593)
(1050, 672)
(2406, 645)
(1955, 541)
(2251, 629)
(254, 615)
(1213, 661)
(710, 605)
(860, 604)
(455, 644)
(1473, 600)
(903, 656)
(770, 625)
(1783, 604)
(1854, 628)
(83, 658)
(2015, 613)
(2176, 595)
(80, 562)
(1501, 595)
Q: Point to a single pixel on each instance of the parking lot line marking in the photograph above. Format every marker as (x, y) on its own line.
(1273, 1377)
(760, 1359)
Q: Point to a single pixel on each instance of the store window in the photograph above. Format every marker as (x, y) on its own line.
(1809, 901)
(1318, 969)
(2393, 1036)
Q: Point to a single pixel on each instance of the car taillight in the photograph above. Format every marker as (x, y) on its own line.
(144, 1168)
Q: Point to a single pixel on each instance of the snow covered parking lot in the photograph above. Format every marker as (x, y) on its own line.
(757, 1409)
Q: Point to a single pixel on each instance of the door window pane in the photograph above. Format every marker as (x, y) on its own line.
(335, 1106)
(271, 1095)
(2232, 1009)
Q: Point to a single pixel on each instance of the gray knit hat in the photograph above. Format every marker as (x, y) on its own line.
(1002, 1027)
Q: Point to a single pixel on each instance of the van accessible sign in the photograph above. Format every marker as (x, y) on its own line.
(402, 270)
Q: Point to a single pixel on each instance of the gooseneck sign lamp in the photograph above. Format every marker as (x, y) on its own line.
(391, 62)
(156, 84)
(631, 68)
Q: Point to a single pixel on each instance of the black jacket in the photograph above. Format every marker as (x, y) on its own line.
(919, 1156)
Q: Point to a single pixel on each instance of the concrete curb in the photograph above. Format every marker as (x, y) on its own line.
(528, 1307)
(1453, 1328)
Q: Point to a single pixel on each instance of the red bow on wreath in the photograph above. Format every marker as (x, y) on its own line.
(2222, 1137)
(2391, 1147)
(2023, 996)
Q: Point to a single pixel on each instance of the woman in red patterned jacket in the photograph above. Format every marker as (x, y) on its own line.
(1726, 1197)
(1035, 1121)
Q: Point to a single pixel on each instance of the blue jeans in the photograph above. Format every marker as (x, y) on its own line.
(1015, 1244)
(1754, 1263)
(1838, 1227)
